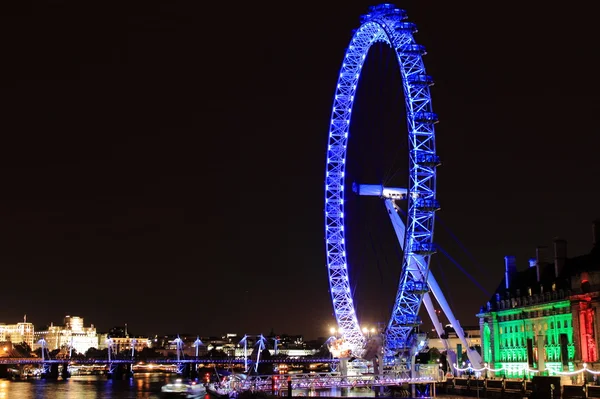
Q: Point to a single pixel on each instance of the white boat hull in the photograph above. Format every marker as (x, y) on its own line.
(179, 389)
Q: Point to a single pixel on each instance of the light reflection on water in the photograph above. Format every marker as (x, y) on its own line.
(86, 387)
(143, 386)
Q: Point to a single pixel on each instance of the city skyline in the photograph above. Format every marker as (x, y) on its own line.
(164, 162)
(25, 331)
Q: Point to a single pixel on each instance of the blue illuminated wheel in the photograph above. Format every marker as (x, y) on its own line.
(384, 23)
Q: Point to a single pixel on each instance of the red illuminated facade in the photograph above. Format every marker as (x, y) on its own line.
(586, 310)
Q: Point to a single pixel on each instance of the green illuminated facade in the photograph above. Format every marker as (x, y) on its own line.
(544, 317)
(506, 332)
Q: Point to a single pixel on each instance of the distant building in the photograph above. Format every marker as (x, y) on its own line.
(167, 344)
(231, 344)
(291, 345)
(546, 315)
(121, 340)
(120, 344)
(118, 331)
(17, 333)
(472, 335)
(71, 334)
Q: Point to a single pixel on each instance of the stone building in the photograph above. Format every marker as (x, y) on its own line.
(544, 317)
(72, 334)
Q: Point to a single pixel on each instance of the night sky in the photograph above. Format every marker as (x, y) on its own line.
(163, 162)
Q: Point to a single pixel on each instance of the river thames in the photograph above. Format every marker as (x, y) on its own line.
(85, 387)
(142, 386)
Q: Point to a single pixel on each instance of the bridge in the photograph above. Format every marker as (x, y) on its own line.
(277, 383)
(119, 368)
(223, 361)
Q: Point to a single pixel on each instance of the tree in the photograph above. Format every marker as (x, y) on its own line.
(77, 355)
(22, 349)
(148, 353)
(214, 353)
(434, 354)
(94, 353)
(37, 352)
(265, 368)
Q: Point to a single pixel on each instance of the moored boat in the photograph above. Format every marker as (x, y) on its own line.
(183, 389)
(228, 387)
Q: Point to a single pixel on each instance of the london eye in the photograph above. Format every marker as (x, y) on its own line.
(414, 228)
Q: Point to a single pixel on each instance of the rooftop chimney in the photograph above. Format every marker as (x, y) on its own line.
(585, 282)
(560, 255)
(510, 264)
(595, 231)
(541, 257)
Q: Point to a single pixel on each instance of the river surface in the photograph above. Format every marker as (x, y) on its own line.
(84, 387)
(142, 386)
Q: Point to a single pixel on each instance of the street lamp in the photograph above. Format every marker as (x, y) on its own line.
(368, 331)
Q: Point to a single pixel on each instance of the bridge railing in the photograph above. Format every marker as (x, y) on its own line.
(431, 371)
(237, 360)
(324, 380)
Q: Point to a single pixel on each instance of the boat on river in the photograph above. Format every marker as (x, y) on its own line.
(183, 389)
(227, 388)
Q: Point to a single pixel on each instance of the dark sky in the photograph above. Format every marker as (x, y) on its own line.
(162, 162)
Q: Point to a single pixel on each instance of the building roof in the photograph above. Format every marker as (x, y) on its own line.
(520, 282)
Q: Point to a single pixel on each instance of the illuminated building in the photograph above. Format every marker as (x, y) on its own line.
(121, 344)
(121, 341)
(544, 317)
(72, 334)
(471, 334)
(17, 333)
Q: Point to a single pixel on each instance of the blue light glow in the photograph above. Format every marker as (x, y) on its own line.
(383, 23)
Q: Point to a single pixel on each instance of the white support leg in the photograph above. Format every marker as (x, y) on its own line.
(422, 273)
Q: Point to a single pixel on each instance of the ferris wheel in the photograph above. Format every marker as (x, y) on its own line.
(414, 231)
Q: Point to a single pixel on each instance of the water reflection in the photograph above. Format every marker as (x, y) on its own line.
(3, 389)
(143, 386)
(85, 387)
